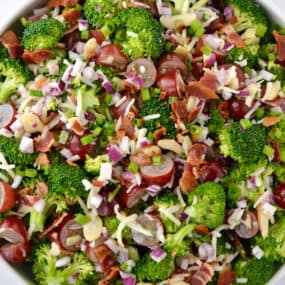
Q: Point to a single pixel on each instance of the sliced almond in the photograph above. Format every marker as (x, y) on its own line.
(263, 221)
(151, 150)
(171, 145)
(89, 50)
(76, 126)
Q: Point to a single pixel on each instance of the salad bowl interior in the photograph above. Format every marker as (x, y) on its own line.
(21, 274)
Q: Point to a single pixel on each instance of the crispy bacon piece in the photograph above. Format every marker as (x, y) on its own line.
(196, 155)
(68, 3)
(224, 109)
(107, 262)
(158, 134)
(98, 35)
(233, 36)
(209, 80)
(42, 159)
(54, 224)
(141, 159)
(280, 41)
(10, 41)
(36, 56)
(202, 229)
(187, 181)
(270, 121)
(54, 3)
(277, 152)
(226, 277)
(128, 127)
(72, 16)
(180, 110)
(42, 187)
(203, 275)
(45, 141)
(199, 90)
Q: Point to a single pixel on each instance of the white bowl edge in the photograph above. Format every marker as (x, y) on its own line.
(25, 6)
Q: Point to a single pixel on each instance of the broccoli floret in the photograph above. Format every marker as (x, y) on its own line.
(100, 13)
(139, 33)
(13, 73)
(256, 271)
(92, 165)
(156, 106)
(199, 198)
(177, 244)
(249, 15)
(38, 219)
(78, 272)
(268, 37)
(242, 145)
(274, 244)
(279, 172)
(163, 202)
(42, 34)
(65, 180)
(112, 223)
(250, 54)
(147, 269)
(216, 121)
(10, 149)
(277, 132)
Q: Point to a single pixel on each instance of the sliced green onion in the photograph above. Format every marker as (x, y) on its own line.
(206, 50)
(268, 151)
(36, 93)
(245, 123)
(63, 137)
(145, 94)
(114, 193)
(97, 131)
(108, 99)
(196, 28)
(84, 35)
(133, 167)
(157, 160)
(87, 139)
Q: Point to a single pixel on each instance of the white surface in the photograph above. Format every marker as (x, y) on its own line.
(9, 7)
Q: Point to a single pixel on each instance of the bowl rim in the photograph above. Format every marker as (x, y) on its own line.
(23, 7)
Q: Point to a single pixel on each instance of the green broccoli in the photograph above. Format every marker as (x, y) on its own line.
(78, 271)
(268, 37)
(274, 244)
(163, 202)
(13, 73)
(92, 165)
(139, 33)
(277, 132)
(101, 14)
(244, 146)
(200, 198)
(38, 219)
(279, 172)
(65, 180)
(147, 269)
(177, 244)
(250, 54)
(249, 15)
(156, 106)
(42, 34)
(216, 121)
(10, 149)
(112, 223)
(256, 271)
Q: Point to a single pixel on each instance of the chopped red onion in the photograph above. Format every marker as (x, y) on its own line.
(136, 81)
(78, 67)
(228, 12)
(182, 216)
(158, 254)
(89, 116)
(228, 46)
(206, 252)
(67, 74)
(16, 126)
(243, 93)
(82, 25)
(123, 255)
(27, 145)
(144, 143)
(108, 86)
(153, 189)
(112, 244)
(257, 252)
(17, 181)
(88, 74)
(114, 153)
(210, 60)
(5, 133)
(129, 176)
(61, 85)
(66, 153)
(163, 8)
(129, 281)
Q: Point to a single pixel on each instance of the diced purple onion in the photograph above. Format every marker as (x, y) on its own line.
(153, 189)
(69, 86)
(211, 59)
(129, 176)
(158, 254)
(98, 8)
(129, 281)
(182, 216)
(108, 86)
(136, 81)
(67, 74)
(61, 85)
(228, 46)
(82, 25)
(79, 47)
(89, 116)
(206, 252)
(123, 255)
(243, 93)
(114, 153)
(112, 244)
(228, 12)
(144, 143)
(163, 8)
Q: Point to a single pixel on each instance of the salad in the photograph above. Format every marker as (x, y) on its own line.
(143, 142)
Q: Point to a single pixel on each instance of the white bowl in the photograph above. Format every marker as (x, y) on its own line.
(18, 275)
